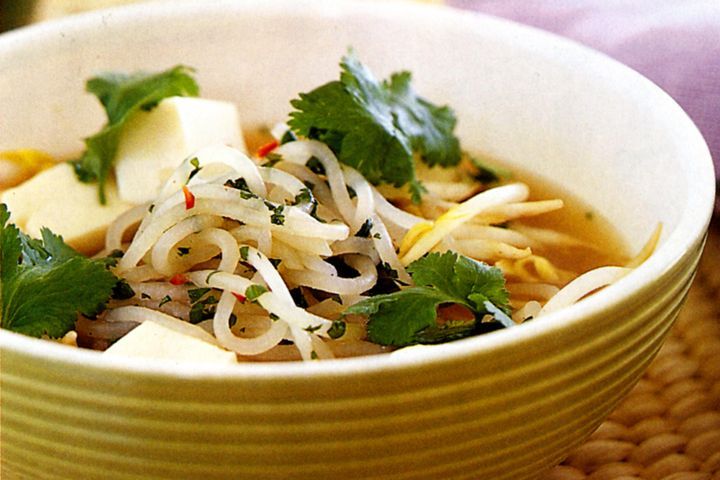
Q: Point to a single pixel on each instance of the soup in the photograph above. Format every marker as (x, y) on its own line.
(327, 241)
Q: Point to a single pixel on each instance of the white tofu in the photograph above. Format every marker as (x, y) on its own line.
(56, 199)
(152, 340)
(152, 144)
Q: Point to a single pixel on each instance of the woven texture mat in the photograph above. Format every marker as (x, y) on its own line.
(668, 428)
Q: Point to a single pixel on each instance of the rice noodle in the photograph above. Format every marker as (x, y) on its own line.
(288, 227)
(334, 284)
(301, 152)
(583, 285)
(116, 230)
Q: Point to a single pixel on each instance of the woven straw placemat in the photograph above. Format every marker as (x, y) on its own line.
(668, 427)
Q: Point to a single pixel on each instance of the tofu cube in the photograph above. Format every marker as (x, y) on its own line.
(152, 144)
(56, 199)
(152, 340)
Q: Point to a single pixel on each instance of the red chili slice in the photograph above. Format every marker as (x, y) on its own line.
(267, 148)
(240, 298)
(178, 279)
(189, 198)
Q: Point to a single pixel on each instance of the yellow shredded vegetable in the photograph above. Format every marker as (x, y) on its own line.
(16, 166)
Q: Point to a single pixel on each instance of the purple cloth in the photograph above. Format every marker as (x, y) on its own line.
(675, 43)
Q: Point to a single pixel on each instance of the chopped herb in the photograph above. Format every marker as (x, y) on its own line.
(201, 308)
(377, 236)
(315, 166)
(151, 207)
(306, 197)
(275, 262)
(164, 300)
(145, 296)
(241, 184)
(116, 254)
(376, 127)
(312, 328)
(274, 317)
(387, 281)
(397, 318)
(271, 159)
(122, 290)
(314, 355)
(486, 174)
(196, 164)
(288, 136)
(364, 231)
(182, 251)
(277, 217)
(254, 291)
(44, 283)
(589, 215)
(196, 294)
(122, 95)
(309, 185)
(244, 252)
(337, 329)
(351, 191)
(111, 259)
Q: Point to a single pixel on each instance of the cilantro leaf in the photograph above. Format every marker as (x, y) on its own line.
(44, 283)
(468, 281)
(396, 317)
(122, 95)
(409, 316)
(375, 127)
(429, 127)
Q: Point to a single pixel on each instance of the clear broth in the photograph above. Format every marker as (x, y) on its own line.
(575, 219)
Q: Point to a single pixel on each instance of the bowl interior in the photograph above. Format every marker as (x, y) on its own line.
(576, 118)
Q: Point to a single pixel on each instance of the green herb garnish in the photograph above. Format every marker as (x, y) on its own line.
(122, 290)
(288, 136)
(376, 127)
(398, 318)
(277, 217)
(241, 184)
(202, 307)
(337, 329)
(44, 283)
(365, 229)
(254, 291)
(196, 168)
(122, 95)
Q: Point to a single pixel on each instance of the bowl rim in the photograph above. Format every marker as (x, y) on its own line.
(686, 237)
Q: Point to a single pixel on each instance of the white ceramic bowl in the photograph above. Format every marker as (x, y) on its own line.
(507, 405)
